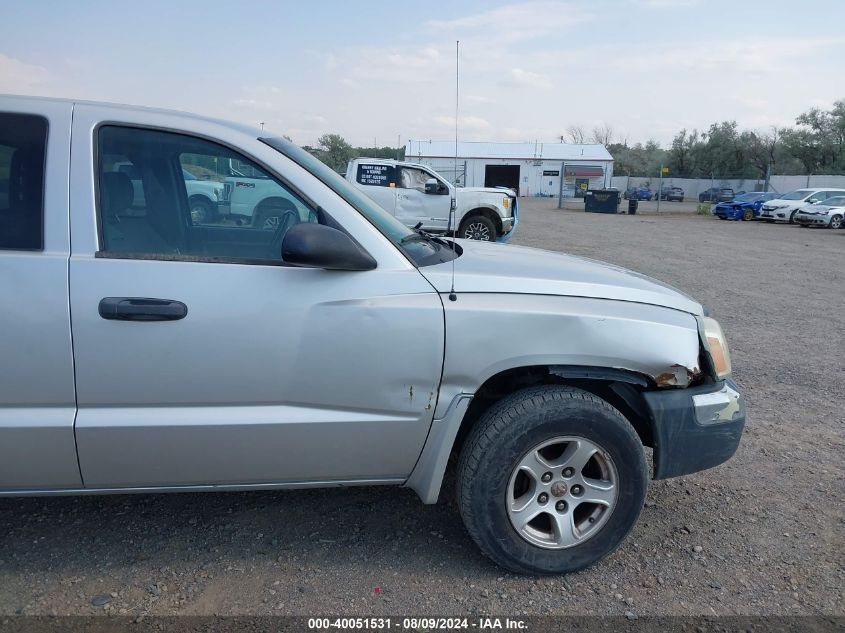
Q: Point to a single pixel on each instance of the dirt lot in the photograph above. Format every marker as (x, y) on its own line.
(761, 534)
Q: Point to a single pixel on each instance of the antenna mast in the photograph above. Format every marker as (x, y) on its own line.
(453, 202)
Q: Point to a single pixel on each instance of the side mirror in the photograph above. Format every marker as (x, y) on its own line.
(434, 186)
(319, 246)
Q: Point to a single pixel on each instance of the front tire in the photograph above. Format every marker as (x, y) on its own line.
(478, 227)
(836, 222)
(202, 210)
(551, 479)
(748, 215)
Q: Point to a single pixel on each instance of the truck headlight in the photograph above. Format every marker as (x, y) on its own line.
(716, 345)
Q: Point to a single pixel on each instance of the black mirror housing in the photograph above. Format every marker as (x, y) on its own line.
(318, 246)
(435, 187)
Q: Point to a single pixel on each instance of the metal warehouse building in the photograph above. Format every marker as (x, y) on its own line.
(531, 168)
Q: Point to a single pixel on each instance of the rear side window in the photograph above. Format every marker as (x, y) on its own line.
(375, 175)
(23, 145)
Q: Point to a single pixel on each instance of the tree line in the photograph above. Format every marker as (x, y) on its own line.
(816, 145)
(336, 152)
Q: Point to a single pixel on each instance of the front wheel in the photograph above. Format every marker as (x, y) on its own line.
(748, 215)
(551, 479)
(792, 216)
(202, 211)
(479, 228)
(836, 222)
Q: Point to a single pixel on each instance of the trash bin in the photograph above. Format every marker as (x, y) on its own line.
(601, 201)
(632, 206)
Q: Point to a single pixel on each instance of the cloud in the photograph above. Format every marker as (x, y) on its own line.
(18, 76)
(516, 22)
(478, 99)
(750, 55)
(528, 79)
(464, 122)
(667, 4)
(254, 104)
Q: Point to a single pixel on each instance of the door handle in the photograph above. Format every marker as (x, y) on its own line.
(142, 309)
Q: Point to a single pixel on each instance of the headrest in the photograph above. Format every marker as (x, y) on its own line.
(116, 192)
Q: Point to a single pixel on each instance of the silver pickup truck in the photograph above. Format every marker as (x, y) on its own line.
(146, 349)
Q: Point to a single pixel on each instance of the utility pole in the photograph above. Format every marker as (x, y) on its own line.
(560, 193)
(768, 176)
(262, 125)
(659, 188)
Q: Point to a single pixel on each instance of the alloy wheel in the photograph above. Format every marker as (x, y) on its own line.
(562, 492)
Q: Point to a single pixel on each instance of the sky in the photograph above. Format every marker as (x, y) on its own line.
(383, 72)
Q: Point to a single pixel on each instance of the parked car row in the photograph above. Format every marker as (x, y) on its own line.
(717, 194)
(806, 207)
(743, 207)
(644, 193)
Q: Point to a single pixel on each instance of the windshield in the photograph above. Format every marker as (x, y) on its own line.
(748, 197)
(422, 252)
(800, 194)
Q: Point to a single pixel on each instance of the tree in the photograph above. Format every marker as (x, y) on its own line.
(576, 134)
(761, 149)
(680, 157)
(334, 151)
(603, 134)
(637, 160)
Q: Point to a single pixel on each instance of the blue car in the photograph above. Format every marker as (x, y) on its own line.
(638, 193)
(743, 207)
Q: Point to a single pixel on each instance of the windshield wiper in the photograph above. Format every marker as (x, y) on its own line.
(418, 235)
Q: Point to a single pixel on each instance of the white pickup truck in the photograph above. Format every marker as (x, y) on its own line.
(418, 195)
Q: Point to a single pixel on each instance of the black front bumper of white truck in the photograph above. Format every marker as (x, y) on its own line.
(695, 428)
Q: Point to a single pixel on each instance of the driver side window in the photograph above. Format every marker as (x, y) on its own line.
(415, 179)
(173, 195)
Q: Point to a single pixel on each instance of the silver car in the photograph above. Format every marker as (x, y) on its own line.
(827, 213)
(147, 348)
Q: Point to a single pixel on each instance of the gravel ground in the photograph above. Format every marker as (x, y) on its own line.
(761, 534)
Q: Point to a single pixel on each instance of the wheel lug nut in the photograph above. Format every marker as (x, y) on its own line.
(568, 472)
(560, 506)
(543, 498)
(547, 477)
(576, 490)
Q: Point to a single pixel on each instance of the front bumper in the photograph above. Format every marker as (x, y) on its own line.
(814, 220)
(779, 213)
(696, 428)
(509, 224)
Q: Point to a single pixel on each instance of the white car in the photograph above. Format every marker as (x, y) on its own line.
(783, 209)
(827, 213)
(420, 197)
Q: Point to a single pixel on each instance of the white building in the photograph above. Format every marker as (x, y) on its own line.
(532, 168)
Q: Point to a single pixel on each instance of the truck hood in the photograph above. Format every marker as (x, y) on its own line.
(498, 192)
(497, 268)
